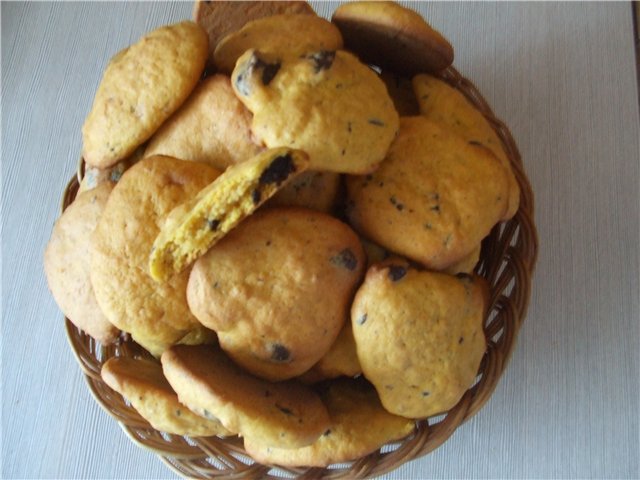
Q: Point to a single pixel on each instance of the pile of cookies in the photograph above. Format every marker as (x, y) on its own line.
(286, 213)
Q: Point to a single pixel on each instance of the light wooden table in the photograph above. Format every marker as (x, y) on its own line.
(561, 75)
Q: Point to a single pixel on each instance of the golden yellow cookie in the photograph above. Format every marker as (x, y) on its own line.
(142, 383)
(212, 127)
(359, 426)
(433, 199)
(419, 336)
(140, 89)
(314, 190)
(340, 360)
(281, 35)
(194, 226)
(66, 264)
(219, 18)
(326, 103)
(156, 315)
(392, 37)
(286, 414)
(445, 105)
(277, 289)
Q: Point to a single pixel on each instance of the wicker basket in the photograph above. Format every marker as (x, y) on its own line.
(507, 261)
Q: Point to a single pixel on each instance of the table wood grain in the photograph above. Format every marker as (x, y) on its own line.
(561, 75)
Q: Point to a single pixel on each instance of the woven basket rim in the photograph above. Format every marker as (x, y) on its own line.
(507, 262)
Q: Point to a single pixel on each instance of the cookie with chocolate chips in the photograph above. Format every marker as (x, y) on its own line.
(194, 226)
(433, 199)
(419, 336)
(284, 414)
(326, 103)
(277, 289)
(359, 425)
(281, 35)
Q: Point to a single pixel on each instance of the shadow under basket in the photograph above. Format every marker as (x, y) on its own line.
(507, 261)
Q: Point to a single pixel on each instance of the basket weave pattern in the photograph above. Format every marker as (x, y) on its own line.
(507, 260)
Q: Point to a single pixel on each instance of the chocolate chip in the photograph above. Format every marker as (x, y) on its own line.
(345, 259)
(278, 171)
(475, 142)
(362, 319)
(376, 122)
(269, 71)
(322, 60)
(279, 353)
(255, 196)
(284, 410)
(396, 272)
(425, 394)
(213, 224)
(327, 432)
(460, 340)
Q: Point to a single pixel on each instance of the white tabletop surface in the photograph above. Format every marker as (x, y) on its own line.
(561, 75)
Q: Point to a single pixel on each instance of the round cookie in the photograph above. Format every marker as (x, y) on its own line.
(419, 336)
(359, 426)
(284, 414)
(281, 35)
(443, 104)
(67, 268)
(140, 89)
(433, 199)
(314, 190)
(142, 383)
(392, 37)
(326, 103)
(212, 127)
(277, 289)
(220, 18)
(194, 226)
(156, 315)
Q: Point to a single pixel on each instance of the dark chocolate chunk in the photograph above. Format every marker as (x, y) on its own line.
(255, 63)
(362, 319)
(284, 410)
(278, 171)
(328, 432)
(279, 353)
(460, 340)
(255, 196)
(396, 272)
(269, 71)
(322, 60)
(213, 224)
(345, 259)
(425, 394)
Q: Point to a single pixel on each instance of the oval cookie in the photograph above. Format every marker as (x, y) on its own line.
(277, 289)
(392, 37)
(66, 263)
(419, 336)
(142, 383)
(156, 315)
(285, 414)
(141, 87)
(433, 199)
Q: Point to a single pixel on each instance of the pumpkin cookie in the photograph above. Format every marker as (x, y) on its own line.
(155, 314)
(284, 414)
(280, 35)
(66, 264)
(194, 226)
(433, 199)
(220, 18)
(392, 37)
(142, 383)
(277, 289)
(419, 336)
(326, 103)
(359, 426)
(445, 105)
(314, 190)
(140, 89)
(212, 127)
